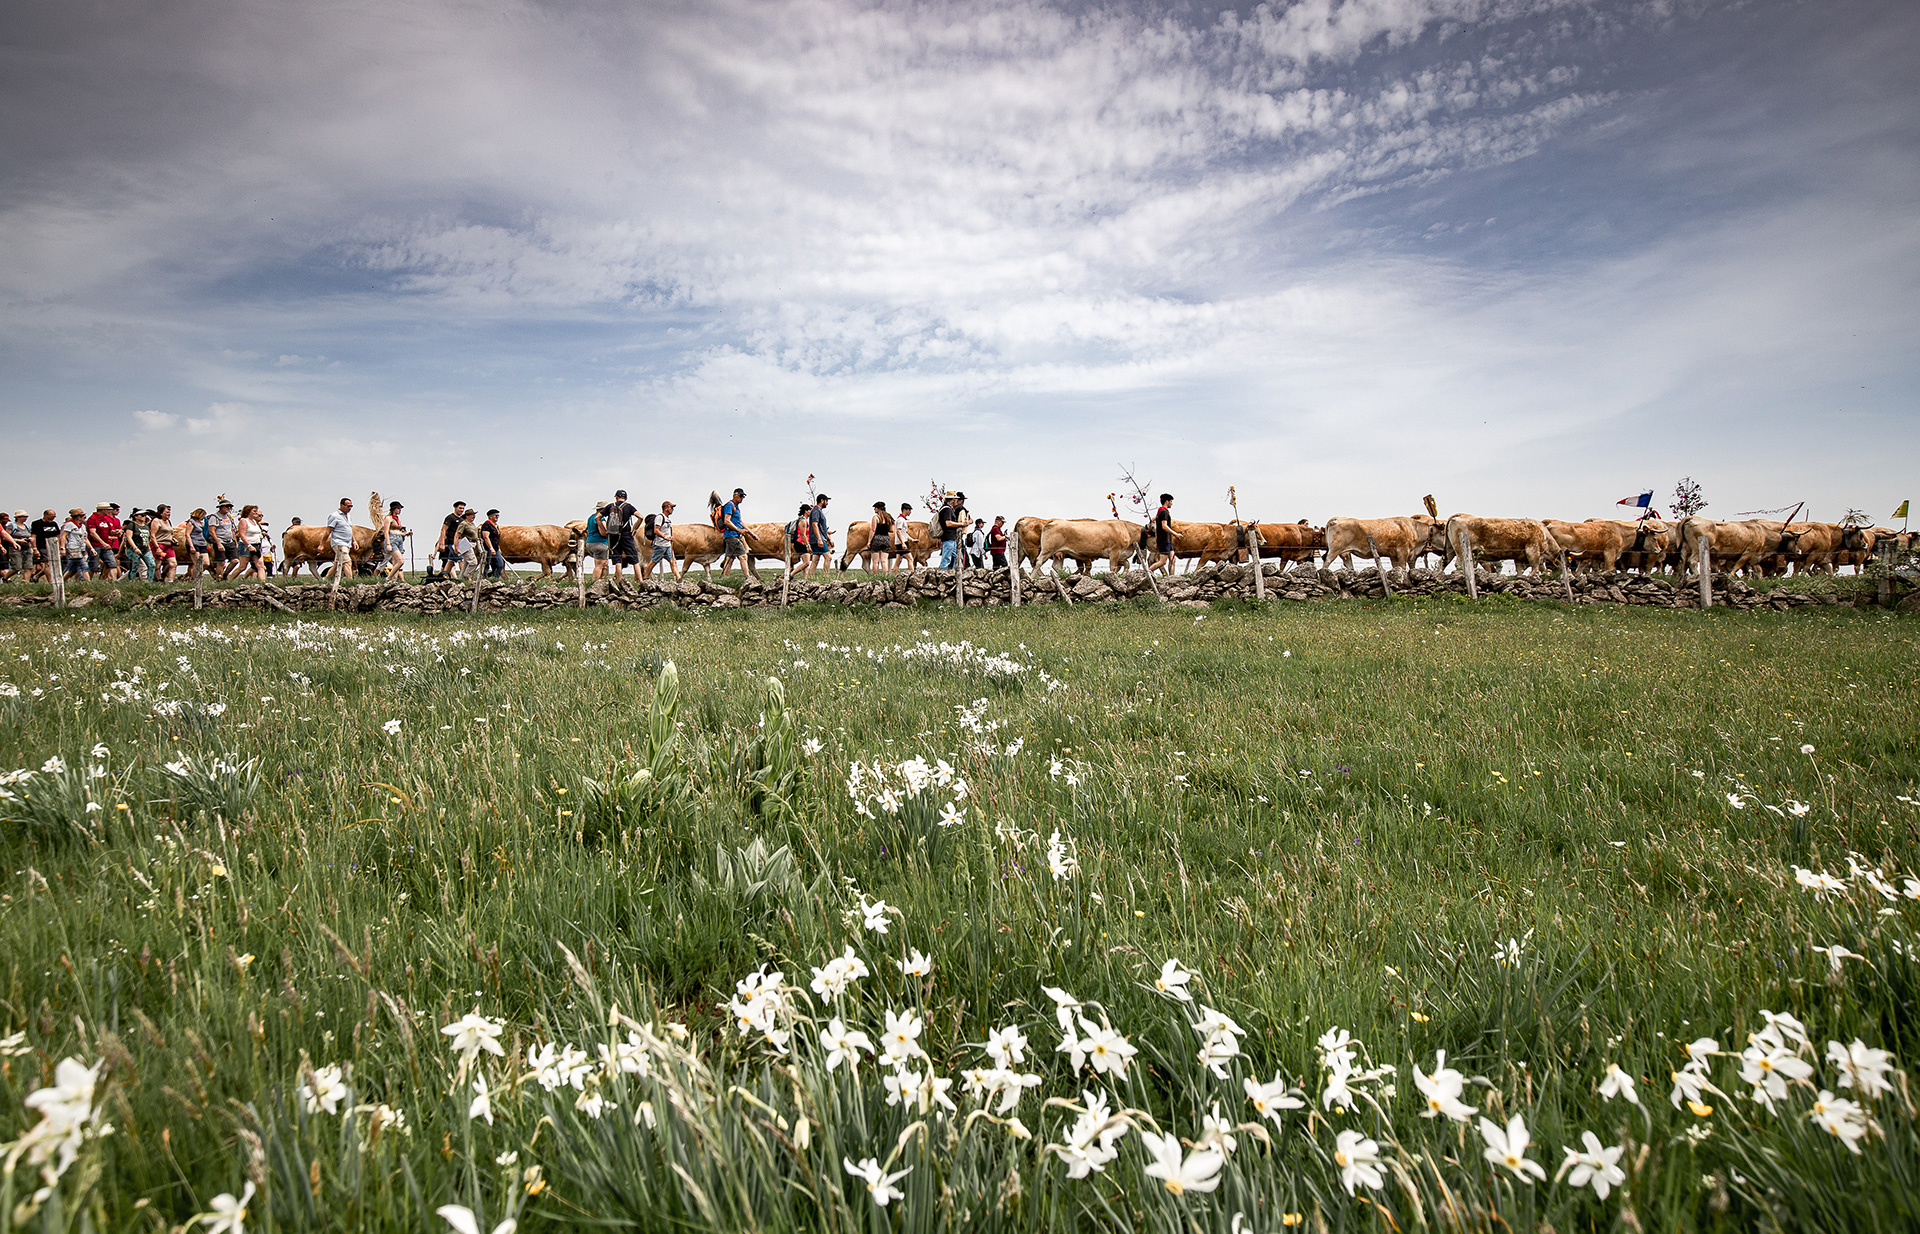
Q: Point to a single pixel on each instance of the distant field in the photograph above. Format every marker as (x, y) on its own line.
(1541, 840)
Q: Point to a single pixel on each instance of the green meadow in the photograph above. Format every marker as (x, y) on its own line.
(658, 878)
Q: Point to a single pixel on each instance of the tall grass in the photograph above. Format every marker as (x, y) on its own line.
(1501, 831)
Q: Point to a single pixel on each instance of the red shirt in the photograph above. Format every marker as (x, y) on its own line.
(108, 527)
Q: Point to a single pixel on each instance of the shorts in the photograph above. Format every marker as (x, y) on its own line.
(625, 553)
(1162, 544)
(662, 552)
(597, 551)
(732, 546)
(880, 544)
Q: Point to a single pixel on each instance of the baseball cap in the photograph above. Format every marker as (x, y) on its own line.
(620, 493)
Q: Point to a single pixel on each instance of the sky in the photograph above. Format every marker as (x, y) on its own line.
(1529, 256)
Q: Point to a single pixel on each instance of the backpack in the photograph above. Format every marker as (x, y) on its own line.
(651, 519)
(614, 522)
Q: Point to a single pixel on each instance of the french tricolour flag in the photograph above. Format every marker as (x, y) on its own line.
(1643, 500)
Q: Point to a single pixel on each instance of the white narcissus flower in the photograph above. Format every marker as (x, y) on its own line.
(1172, 981)
(1618, 1083)
(1217, 1131)
(227, 1215)
(844, 1045)
(1336, 1049)
(1178, 1171)
(1060, 862)
(1701, 1050)
(1846, 1120)
(1006, 1046)
(952, 815)
(1861, 1066)
(1819, 882)
(1508, 1148)
(1597, 1167)
(1441, 1091)
(1838, 953)
(462, 1220)
(875, 915)
(1270, 1099)
(916, 965)
(1065, 1006)
(1359, 1161)
(1735, 800)
(326, 1090)
(392, 728)
(482, 1104)
(880, 1184)
(900, 1044)
(1107, 1051)
(1784, 1028)
(1770, 1070)
(1690, 1083)
(471, 1034)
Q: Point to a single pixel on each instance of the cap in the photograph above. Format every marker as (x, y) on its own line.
(225, 505)
(822, 497)
(620, 493)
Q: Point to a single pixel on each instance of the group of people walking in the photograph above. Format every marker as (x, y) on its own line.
(147, 546)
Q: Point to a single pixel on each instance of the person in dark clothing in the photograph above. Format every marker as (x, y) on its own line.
(45, 531)
(821, 535)
(997, 541)
(490, 532)
(1163, 534)
(618, 524)
(445, 547)
(946, 526)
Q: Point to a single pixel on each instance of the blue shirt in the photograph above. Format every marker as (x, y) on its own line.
(594, 534)
(729, 518)
(821, 534)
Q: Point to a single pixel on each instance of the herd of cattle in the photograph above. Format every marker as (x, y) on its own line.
(1750, 546)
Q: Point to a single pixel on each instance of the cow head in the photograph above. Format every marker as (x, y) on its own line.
(1855, 538)
(1789, 540)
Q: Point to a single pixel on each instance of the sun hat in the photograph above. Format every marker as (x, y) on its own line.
(103, 505)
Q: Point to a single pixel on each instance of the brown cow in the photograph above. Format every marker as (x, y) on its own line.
(1503, 539)
(308, 545)
(1593, 545)
(1732, 546)
(1650, 546)
(1026, 539)
(920, 543)
(1401, 540)
(695, 544)
(1088, 539)
(546, 544)
(1204, 542)
(1286, 541)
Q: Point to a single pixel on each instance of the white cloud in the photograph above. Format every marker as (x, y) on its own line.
(156, 421)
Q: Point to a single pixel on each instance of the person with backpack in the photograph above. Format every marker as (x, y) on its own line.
(977, 545)
(997, 541)
(596, 540)
(800, 537)
(660, 542)
(821, 534)
(619, 522)
(946, 525)
(733, 534)
(490, 532)
(443, 547)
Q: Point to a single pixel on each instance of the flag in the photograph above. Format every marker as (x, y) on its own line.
(1901, 512)
(1433, 507)
(1643, 500)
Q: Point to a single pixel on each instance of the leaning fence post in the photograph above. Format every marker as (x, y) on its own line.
(1259, 568)
(1706, 572)
(1466, 563)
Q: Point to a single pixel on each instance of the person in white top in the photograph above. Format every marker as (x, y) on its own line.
(253, 537)
(340, 538)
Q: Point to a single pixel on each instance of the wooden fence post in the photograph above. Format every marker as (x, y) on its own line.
(57, 575)
(959, 574)
(580, 572)
(479, 573)
(1259, 567)
(1466, 563)
(1386, 588)
(1706, 572)
(1013, 570)
(199, 577)
(1151, 581)
(1883, 549)
(787, 576)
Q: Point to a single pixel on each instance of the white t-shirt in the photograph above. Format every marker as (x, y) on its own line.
(340, 530)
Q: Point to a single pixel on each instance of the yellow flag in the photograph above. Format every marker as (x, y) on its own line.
(1901, 512)
(1433, 507)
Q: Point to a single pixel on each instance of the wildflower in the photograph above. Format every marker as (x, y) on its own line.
(1271, 1098)
(1597, 1167)
(1336, 1049)
(1442, 1090)
(100, 750)
(1089, 1143)
(1065, 1006)
(1006, 1046)
(1806, 749)
(1836, 953)
(1844, 1119)
(1059, 861)
(916, 965)
(1172, 981)
(838, 975)
(392, 728)
(325, 1091)
(880, 1184)
(1220, 1040)
(1820, 883)
(1106, 1050)
(1769, 1069)
(1358, 1159)
(901, 1042)
(875, 914)
(1861, 1066)
(53, 766)
(1182, 1172)
(1338, 1092)
(1218, 1132)
(1798, 809)
(472, 1033)
(1618, 1083)
(627, 1057)
(1509, 1148)
(1910, 888)
(810, 747)
(987, 1083)
(1689, 1083)
(461, 1218)
(844, 1045)
(1782, 1029)
(482, 1104)
(1507, 954)
(228, 1215)
(758, 998)
(950, 816)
